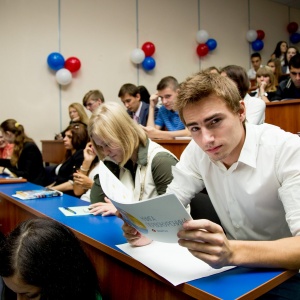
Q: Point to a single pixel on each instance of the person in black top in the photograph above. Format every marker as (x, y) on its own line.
(290, 88)
(75, 140)
(26, 160)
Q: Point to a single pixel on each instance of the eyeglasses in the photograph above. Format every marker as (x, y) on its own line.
(295, 73)
(91, 103)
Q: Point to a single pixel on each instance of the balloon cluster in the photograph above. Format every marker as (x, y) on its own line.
(255, 37)
(294, 32)
(64, 68)
(144, 56)
(205, 43)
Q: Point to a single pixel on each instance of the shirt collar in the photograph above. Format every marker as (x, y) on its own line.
(249, 151)
(137, 113)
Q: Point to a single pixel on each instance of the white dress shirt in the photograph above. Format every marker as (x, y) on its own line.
(255, 110)
(258, 197)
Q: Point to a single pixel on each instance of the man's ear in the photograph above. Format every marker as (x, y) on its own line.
(242, 110)
(138, 96)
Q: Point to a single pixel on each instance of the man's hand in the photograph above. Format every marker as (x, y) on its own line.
(207, 241)
(153, 100)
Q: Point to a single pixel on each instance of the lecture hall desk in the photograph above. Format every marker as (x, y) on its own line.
(53, 151)
(120, 276)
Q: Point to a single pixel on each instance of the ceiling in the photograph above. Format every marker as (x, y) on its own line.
(290, 3)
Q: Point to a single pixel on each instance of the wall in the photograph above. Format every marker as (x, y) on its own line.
(102, 34)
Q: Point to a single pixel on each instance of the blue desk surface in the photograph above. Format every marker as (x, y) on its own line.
(107, 230)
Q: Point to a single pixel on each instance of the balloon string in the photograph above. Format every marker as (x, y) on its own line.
(199, 29)
(137, 40)
(59, 49)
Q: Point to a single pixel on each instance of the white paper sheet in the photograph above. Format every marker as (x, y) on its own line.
(171, 261)
(75, 211)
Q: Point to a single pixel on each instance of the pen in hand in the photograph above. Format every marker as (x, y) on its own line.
(70, 210)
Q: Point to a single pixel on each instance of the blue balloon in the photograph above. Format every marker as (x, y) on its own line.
(295, 37)
(211, 44)
(55, 61)
(257, 45)
(148, 63)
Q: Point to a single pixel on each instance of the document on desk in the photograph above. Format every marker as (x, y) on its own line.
(171, 261)
(73, 211)
(159, 218)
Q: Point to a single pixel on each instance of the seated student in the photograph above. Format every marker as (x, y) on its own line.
(92, 99)
(141, 164)
(275, 65)
(266, 84)
(6, 148)
(251, 174)
(280, 52)
(144, 93)
(167, 118)
(77, 115)
(75, 140)
(291, 51)
(290, 88)
(256, 64)
(26, 160)
(43, 259)
(255, 107)
(84, 177)
(131, 98)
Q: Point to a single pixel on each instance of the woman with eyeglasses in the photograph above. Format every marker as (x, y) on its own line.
(141, 164)
(75, 140)
(26, 160)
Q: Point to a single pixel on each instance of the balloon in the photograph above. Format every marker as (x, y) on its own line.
(148, 63)
(211, 44)
(257, 45)
(295, 38)
(63, 76)
(260, 34)
(148, 48)
(202, 36)
(137, 56)
(55, 61)
(202, 50)
(292, 27)
(251, 35)
(72, 64)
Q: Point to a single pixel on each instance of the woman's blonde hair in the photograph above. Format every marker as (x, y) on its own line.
(83, 117)
(267, 72)
(112, 124)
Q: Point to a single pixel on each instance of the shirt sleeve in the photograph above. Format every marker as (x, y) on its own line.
(187, 180)
(159, 118)
(162, 170)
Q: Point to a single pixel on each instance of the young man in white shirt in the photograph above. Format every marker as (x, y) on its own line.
(256, 64)
(252, 176)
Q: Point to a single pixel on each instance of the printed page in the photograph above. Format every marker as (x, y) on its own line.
(73, 211)
(158, 218)
(171, 261)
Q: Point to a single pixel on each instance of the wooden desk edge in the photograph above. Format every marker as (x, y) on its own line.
(283, 102)
(262, 289)
(123, 257)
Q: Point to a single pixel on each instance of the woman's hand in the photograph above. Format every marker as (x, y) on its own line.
(82, 180)
(104, 209)
(88, 152)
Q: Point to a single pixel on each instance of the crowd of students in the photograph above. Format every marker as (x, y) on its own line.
(249, 169)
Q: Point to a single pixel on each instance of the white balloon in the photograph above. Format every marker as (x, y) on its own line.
(251, 35)
(63, 76)
(137, 56)
(202, 36)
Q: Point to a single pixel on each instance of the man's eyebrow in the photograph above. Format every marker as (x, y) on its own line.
(206, 120)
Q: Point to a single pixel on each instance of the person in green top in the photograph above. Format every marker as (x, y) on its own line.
(142, 165)
(43, 259)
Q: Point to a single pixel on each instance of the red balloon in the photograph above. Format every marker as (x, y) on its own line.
(292, 27)
(260, 34)
(72, 64)
(148, 48)
(202, 50)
